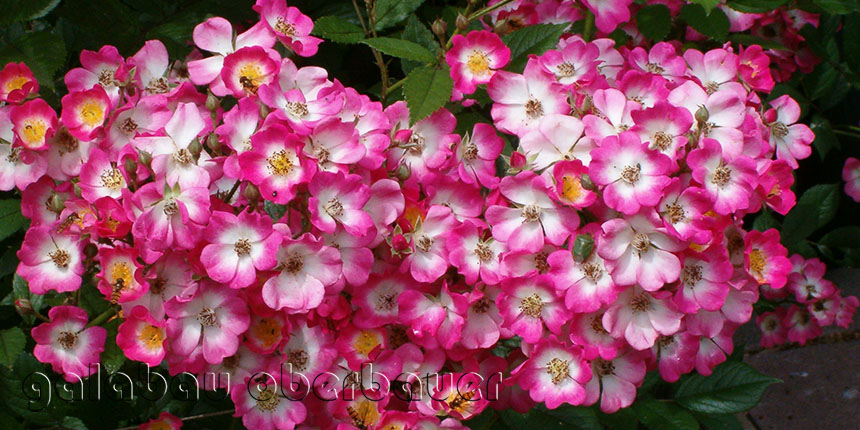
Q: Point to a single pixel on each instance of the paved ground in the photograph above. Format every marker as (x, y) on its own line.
(821, 388)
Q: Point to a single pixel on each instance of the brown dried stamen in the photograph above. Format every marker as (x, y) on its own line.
(207, 317)
(559, 370)
(532, 306)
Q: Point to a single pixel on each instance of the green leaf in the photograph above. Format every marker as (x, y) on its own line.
(73, 423)
(427, 89)
(12, 342)
(24, 392)
(709, 5)
(392, 12)
(815, 208)
(765, 221)
(838, 7)
(112, 358)
(483, 421)
(733, 387)
(756, 6)
(718, 422)
(842, 237)
(275, 211)
(44, 52)
(9, 423)
(338, 30)
(564, 417)
(851, 40)
(11, 219)
(401, 49)
(662, 415)
(583, 246)
(21, 291)
(534, 39)
(825, 139)
(622, 419)
(25, 10)
(654, 21)
(714, 25)
(416, 31)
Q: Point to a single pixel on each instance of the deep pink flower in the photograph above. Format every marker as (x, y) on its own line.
(142, 338)
(16, 83)
(84, 112)
(290, 26)
(34, 123)
(765, 259)
(276, 164)
(555, 374)
(851, 176)
(248, 68)
(474, 58)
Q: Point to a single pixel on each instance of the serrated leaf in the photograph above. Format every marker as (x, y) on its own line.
(838, 7)
(714, 25)
(25, 10)
(622, 419)
(401, 49)
(392, 12)
(44, 52)
(564, 417)
(416, 31)
(709, 5)
(815, 208)
(755, 6)
(661, 415)
(73, 423)
(427, 89)
(21, 290)
(19, 397)
(338, 30)
(534, 39)
(11, 219)
(583, 246)
(12, 342)
(654, 21)
(733, 387)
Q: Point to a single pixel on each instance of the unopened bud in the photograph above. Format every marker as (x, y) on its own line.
(440, 28)
(399, 244)
(213, 143)
(251, 193)
(403, 172)
(130, 166)
(462, 22)
(212, 102)
(194, 147)
(586, 183)
(501, 27)
(702, 114)
(23, 306)
(144, 158)
(518, 160)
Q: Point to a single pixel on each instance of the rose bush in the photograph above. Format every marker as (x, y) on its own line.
(582, 199)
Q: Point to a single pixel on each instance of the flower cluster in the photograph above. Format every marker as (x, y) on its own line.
(247, 215)
(780, 26)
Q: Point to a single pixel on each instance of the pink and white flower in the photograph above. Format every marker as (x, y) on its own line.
(520, 101)
(728, 181)
(67, 344)
(34, 122)
(791, 141)
(851, 176)
(238, 247)
(50, 260)
(84, 112)
(305, 267)
(290, 26)
(527, 304)
(641, 317)
(555, 374)
(142, 338)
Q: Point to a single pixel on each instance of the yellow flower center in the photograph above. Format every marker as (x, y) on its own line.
(757, 264)
(91, 113)
(34, 131)
(267, 331)
(121, 271)
(364, 415)
(280, 163)
(571, 188)
(478, 63)
(366, 341)
(250, 77)
(15, 83)
(151, 336)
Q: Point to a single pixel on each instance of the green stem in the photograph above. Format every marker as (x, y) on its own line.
(101, 319)
(396, 85)
(847, 133)
(588, 30)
